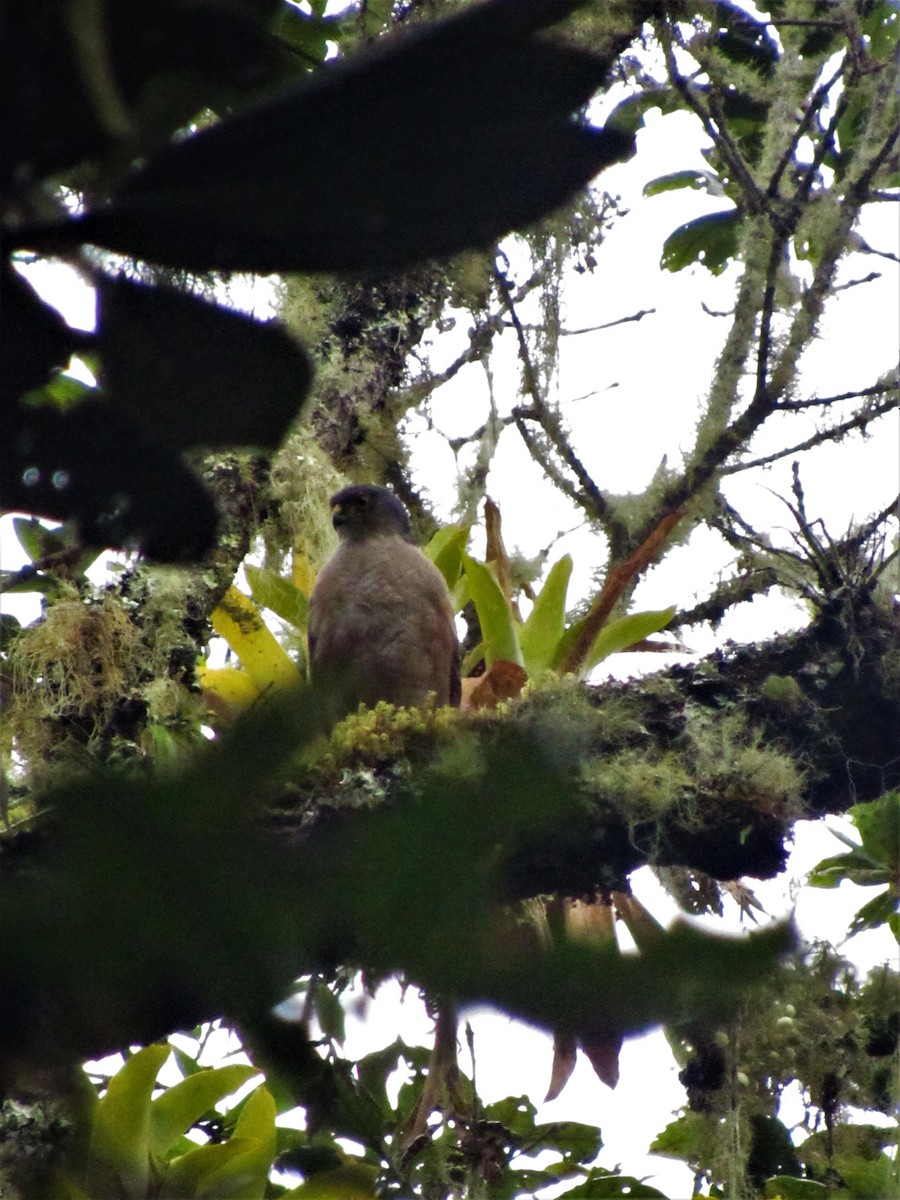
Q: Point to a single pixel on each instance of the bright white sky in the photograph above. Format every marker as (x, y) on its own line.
(649, 378)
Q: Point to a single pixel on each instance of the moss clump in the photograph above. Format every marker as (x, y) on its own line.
(730, 759)
(640, 786)
(783, 691)
(376, 738)
(94, 675)
(70, 673)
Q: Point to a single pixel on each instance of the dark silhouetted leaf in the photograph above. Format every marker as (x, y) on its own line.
(436, 140)
(35, 340)
(193, 373)
(90, 464)
(143, 868)
(172, 59)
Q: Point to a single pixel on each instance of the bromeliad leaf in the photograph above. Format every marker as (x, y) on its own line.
(498, 626)
(180, 1106)
(545, 625)
(445, 550)
(119, 1153)
(627, 631)
(238, 621)
(285, 599)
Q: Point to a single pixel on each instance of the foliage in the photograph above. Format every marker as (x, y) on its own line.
(152, 881)
(338, 171)
(136, 1145)
(873, 861)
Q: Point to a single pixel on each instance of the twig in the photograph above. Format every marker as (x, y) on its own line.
(877, 389)
(858, 421)
(644, 312)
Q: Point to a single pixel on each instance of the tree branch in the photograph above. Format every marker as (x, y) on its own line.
(858, 421)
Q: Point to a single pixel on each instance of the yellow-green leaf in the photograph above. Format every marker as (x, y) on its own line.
(176, 1110)
(119, 1152)
(546, 622)
(498, 625)
(284, 598)
(237, 620)
(627, 631)
(244, 1177)
(189, 1171)
(446, 549)
(230, 684)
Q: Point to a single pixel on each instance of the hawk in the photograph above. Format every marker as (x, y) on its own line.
(380, 616)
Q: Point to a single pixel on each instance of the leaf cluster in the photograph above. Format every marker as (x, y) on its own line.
(351, 166)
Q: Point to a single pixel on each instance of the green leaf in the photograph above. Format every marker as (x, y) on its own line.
(710, 240)
(628, 115)
(61, 391)
(353, 1180)
(577, 1142)
(682, 1138)
(373, 1071)
(831, 872)
(271, 590)
(120, 1138)
(546, 622)
(330, 1012)
(37, 540)
(626, 631)
(180, 1106)
(10, 628)
(445, 550)
(878, 823)
(704, 181)
(498, 626)
(874, 913)
(515, 1113)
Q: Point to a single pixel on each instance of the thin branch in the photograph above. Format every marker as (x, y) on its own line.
(546, 463)
(852, 283)
(818, 99)
(728, 594)
(764, 346)
(548, 420)
(858, 421)
(480, 339)
(638, 316)
(876, 389)
(715, 131)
